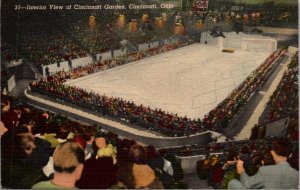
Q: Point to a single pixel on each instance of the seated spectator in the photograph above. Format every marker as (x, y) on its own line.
(279, 176)
(229, 169)
(153, 158)
(167, 164)
(10, 116)
(203, 168)
(81, 141)
(144, 176)
(43, 150)
(68, 160)
(156, 162)
(216, 172)
(99, 171)
(90, 137)
(125, 178)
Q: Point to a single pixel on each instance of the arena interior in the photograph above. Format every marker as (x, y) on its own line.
(159, 94)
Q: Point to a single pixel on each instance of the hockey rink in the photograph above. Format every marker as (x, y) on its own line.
(188, 81)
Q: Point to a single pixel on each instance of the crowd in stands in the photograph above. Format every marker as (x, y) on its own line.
(283, 103)
(227, 109)
(57, 48)
(284, 100)
(7, 53)
(100, 39)
(47, 150)
(240, 164)
(52, 41)
(124, 109)
(41, 37)
(250, 15)
(157, 120)
(110, 63)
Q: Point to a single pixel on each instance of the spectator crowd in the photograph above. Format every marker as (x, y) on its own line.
(284, 100)
(283, 103)
(41, 149)
(47, 150)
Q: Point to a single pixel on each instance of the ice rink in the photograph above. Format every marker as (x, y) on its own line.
(188, 81)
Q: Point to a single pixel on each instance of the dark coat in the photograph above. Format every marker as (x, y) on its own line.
(15, 174)
(98, 174)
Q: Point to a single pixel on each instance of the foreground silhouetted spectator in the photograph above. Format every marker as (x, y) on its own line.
(68, 160)
(278, 176)
(17, 148)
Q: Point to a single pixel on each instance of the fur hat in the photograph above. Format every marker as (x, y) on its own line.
(143, 175)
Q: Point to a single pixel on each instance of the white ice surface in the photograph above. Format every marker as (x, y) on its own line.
(188, 81)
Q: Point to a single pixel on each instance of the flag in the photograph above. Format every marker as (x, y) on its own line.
(200, 5)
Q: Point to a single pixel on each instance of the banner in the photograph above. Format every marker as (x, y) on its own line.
(201, 5)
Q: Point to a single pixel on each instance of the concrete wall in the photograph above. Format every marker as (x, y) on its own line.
(188, 164)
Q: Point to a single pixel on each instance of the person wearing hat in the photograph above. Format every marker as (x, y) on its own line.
(144, 176)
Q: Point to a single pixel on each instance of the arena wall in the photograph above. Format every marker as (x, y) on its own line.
(189, 163)
(241, 41)
(143, 47)
(81, 62)
(258, 45)
(104, 56)
(248, 44)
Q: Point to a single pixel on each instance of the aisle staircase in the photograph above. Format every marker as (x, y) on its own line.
(257, 108)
